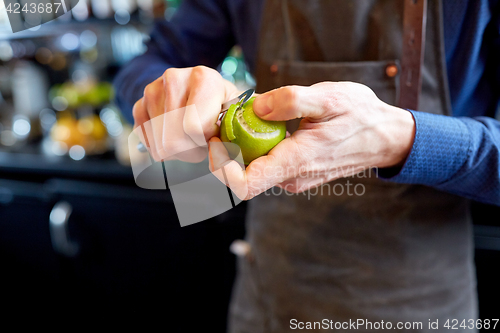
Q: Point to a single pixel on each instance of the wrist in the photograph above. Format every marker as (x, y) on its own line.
(441, 147)
(399, 132)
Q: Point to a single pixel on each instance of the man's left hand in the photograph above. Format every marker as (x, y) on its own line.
(344, 130)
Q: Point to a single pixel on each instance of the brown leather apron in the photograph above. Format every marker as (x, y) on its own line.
(397, 253)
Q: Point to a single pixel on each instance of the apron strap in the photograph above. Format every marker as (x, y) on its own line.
(414, 19)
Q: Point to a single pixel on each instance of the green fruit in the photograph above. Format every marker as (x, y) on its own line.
(255, 136)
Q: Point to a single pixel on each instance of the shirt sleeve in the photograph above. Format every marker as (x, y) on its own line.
(199, 33)
(458, 155)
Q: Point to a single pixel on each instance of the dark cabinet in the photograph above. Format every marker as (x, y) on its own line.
(487, 259)
(129, 255)
(29, 266)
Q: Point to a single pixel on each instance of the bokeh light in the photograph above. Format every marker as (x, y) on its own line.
(77, 152)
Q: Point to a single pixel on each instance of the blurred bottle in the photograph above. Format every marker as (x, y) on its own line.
(81, 9)
(128, 5)
(102, 8)
(234, 69)
(29, 89)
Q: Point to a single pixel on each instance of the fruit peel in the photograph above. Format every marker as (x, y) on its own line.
(264, 135)
(228, 121)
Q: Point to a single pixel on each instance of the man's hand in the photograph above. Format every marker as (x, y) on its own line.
(344, 128)
(175, 89)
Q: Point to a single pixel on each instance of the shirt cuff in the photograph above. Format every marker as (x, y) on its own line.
(440, 149)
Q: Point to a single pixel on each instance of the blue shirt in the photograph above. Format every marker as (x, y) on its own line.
(459, 154)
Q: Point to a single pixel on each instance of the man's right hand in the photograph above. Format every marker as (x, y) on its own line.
(166, 136)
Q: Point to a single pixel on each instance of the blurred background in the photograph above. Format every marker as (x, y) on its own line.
(55, 79)
(74, 228)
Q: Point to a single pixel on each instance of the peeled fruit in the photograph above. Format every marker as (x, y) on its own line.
(255, 136)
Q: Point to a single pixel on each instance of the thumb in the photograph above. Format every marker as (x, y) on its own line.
(290, 102)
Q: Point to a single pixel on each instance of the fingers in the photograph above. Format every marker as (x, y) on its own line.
(293, 102)
(140, 113)
(281, 163)
(263, 173)
(152, 110)
(193, 100)
(207, 93)
(177, 142)
(179, 112)
(141, 119)
(228, 171)
(175, 88)
(173, 139)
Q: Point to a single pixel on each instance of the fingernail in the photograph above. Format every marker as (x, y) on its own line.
(263, 104)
